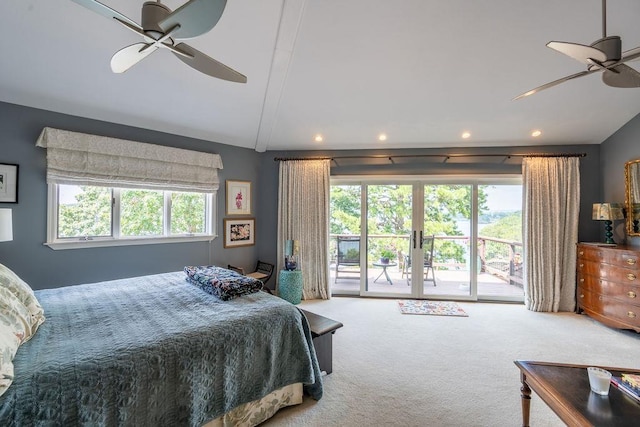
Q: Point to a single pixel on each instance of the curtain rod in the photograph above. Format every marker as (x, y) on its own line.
(444, 156)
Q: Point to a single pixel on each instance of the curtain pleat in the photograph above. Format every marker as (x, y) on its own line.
(551, 207)
(75, 158)
(303, 215)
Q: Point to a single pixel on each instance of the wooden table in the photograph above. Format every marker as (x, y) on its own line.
(565, 389)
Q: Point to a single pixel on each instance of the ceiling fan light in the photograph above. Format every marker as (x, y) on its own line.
(466, 135)
(536, 133)
(318, 138)
(382, 137)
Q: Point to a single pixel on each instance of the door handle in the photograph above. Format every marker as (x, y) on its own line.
(421, 239)
(414, 239)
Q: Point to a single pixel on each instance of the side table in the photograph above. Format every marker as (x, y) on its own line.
(290, 285)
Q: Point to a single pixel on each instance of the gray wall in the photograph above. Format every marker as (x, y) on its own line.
(43, 267)
(619, 148)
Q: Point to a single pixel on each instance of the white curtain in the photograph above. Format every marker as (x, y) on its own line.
(83, 159)
(551, 207)
(303, 215)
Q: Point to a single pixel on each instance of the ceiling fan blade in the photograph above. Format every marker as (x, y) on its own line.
(106, 11)
(631, 54)
(579, 52)
(555, 82)
(621, 76)
(129, 56)
(207, 65)
(195, 18)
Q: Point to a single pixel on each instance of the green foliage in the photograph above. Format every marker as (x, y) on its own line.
(508, 228)
(187, 213)
(87, 212)
(390, 213)
(141, 213)
(89, 216)
(387, 253)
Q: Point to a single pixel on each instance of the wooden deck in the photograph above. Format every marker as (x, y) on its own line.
(454, 283)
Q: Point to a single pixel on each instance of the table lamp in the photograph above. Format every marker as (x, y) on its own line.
(6, 225)
(607, 212)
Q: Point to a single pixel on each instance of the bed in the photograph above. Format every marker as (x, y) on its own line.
(157, 350)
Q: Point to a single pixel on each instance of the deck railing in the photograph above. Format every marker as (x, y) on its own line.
(498, 257)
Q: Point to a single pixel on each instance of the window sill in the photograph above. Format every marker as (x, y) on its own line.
(97, 243)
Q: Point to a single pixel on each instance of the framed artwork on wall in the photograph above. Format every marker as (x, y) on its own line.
(8, 183)
(238, 197)
(239, 232)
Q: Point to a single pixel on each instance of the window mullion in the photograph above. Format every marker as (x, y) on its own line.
(115, 212)
(167, 213)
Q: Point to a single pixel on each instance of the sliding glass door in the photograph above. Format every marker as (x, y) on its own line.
(433, 237)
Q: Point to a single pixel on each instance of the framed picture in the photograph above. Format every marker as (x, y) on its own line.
(8, 183)
(239, 232)
(238, 197)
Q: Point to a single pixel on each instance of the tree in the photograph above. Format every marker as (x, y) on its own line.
(87, 212)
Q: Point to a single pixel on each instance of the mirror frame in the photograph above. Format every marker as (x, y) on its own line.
(628, 192)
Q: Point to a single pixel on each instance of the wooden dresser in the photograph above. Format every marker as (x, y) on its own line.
(609, 284)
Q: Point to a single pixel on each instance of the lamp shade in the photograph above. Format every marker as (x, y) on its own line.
(6, 225)
(607, 211)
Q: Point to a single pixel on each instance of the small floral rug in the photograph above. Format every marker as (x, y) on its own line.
(436, 308)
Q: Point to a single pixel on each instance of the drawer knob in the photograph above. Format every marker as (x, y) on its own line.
(581, 279)
(631, 294)
(581, 265)
(581, 253)
(581, 295)
(631, 276)
(631, 261)
(631, 314)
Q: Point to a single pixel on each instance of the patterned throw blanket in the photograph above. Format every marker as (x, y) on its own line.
(222, 283)
(155, 351)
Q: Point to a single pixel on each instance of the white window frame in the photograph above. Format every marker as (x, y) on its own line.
(116, 240)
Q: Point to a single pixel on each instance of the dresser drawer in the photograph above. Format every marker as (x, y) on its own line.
(623, 292)
(618, 257)
(617, 311)
(608, 272)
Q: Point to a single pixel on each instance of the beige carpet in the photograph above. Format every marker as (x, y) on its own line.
(395, 370)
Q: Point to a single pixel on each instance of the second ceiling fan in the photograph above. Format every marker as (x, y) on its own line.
(604, 55)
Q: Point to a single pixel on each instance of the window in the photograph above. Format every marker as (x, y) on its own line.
(86, 216)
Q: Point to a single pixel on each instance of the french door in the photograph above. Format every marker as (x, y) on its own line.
(418, 238)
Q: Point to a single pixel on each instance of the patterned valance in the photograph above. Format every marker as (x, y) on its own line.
(82, 159)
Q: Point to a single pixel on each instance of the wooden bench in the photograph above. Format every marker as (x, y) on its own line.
(322, 330)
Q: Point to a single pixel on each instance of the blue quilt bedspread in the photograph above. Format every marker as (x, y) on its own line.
(155, 351)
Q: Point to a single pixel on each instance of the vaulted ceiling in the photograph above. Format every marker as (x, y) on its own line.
(420, 71)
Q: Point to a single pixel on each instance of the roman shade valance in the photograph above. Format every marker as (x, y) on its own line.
(82, 159)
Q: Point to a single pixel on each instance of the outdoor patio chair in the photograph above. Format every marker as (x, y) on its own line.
(427, 245)
(348, 254)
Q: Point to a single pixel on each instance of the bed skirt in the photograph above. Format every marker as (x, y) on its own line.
(253, 413)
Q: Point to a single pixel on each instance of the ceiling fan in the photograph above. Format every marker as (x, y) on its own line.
(603, 55)
(161, 27)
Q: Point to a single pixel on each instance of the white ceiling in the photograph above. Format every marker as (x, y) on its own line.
(421, 71)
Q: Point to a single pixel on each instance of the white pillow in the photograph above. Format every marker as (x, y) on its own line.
(15, 328)
(10, 281)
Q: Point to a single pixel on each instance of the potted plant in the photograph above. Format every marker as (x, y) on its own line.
(386, 255)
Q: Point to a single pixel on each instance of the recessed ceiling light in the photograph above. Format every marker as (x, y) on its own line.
(536, 133)
(382, 137)
(318, 138)
(466, 135)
